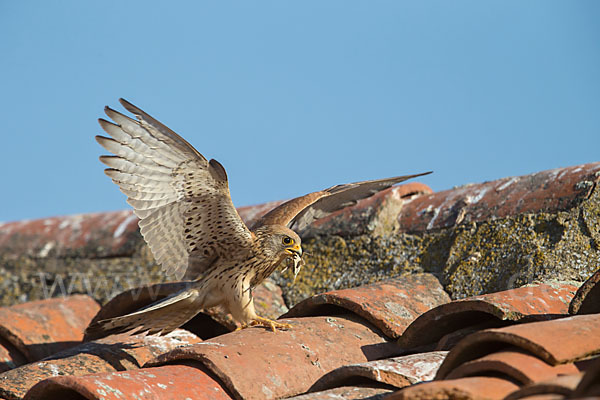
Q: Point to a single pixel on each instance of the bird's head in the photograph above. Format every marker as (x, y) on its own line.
(279, 241)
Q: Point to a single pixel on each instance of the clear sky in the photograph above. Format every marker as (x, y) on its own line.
(296, 96)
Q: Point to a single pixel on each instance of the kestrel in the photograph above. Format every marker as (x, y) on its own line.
(188, 219)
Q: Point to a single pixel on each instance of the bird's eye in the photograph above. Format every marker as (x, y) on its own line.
(287, 240)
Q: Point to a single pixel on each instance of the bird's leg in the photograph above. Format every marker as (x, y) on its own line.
(269, 323)
(242, 310)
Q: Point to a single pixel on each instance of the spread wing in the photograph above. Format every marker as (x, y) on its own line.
(183, 201)
(302, 211)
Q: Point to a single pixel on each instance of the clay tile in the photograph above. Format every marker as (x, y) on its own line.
(587, 298)
(390, 305)
(41, 328)
(166, 382)
(16, 382)
(559, 385)
(268, 300)
(477, 387)
(257, 363)
(557, 189)
(98, 235)
(512, 362)
(346, 393)
(556, 342)
(398, 372)
(488, 310)
(106, 355)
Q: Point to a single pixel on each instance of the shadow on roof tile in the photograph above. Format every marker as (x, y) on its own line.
(478, 387)
(115, 353)
(397, 372)
(555, 342)
(556, 189)
(256, 363)
(587, 298)
(164, 383)
(461, 317)
(590, 382)
(391, 305)
(34, 330)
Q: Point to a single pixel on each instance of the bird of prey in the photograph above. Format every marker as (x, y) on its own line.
(188, 219)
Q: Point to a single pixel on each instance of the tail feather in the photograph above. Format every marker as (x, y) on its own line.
(160, 318)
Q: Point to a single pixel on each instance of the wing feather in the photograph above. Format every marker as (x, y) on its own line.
(137, 144)
(173, 189)
(302, 211)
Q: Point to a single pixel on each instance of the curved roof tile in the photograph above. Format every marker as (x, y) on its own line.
(539, 301)
(256, 363)
(164, 383)
(34, 330)
(398, 371)
(556, 342)
(391, 305)
(110, 354)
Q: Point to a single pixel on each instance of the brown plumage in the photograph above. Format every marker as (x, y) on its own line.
(194, 231)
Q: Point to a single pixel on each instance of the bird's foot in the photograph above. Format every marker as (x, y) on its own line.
(268, 323)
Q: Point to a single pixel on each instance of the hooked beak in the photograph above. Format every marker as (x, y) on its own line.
(295, 250)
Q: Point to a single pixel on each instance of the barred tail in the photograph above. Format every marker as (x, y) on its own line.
(160, 318)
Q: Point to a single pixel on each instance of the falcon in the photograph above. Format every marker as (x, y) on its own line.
(188, 220)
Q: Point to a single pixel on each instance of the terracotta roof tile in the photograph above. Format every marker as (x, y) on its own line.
(38, 329)
(474, 388)
(398, 371)
(114, 353)
(556, 342)
(479, 312)
(555, 189)
(258, 364)
(339, 346)
(587, 298)
(100, 234)
(391, 305)
(166, 382)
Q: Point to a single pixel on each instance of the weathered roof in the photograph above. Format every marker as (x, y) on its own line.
(401, 336)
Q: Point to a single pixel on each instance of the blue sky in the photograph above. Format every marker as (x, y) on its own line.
(293, 97)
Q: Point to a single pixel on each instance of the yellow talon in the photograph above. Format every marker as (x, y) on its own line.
(268, 323)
